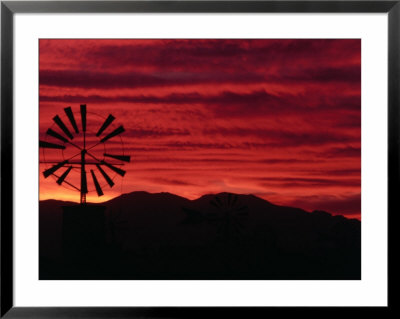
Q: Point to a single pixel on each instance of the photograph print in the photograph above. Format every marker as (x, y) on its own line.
(199, 159)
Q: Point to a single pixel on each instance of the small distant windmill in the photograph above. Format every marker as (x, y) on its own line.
(86, 154)
(228, 215)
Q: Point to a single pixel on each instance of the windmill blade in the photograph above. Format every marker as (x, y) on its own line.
(56, 135)
(83, 117)
(235, 198)
(242, 211)
(64, 175)
(115, 169)
(123, 158)
(53, 169)
(214, 204)
(62, 126)
(219, 201)
(116, 132)
(50, 145)
(225, 201)
(238, 227)
(96, 184)
(106, 124)
(106, 177)
(71, 118)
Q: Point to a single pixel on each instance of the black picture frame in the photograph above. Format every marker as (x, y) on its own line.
(9, 8)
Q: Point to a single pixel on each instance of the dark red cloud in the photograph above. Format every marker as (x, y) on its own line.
(197, 55)
(343, 152)
(90, 79)
(79, 79)
(283, 137)
(157, 132)
(276, 118)
(309, 182)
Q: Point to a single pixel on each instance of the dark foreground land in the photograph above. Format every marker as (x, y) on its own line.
(224, 236)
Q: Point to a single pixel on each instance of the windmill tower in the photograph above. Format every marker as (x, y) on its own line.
(93, 148)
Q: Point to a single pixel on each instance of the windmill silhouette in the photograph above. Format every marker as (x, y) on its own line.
(85, 155)
(228, 215)
(80, 149)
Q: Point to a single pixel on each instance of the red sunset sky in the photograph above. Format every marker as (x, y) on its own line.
(280, 119)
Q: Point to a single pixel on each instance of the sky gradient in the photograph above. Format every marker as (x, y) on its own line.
(280, 119)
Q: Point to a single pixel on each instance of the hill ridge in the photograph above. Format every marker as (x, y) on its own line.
(204, 197)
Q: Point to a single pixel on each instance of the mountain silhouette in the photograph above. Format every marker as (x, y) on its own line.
(217, 236)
